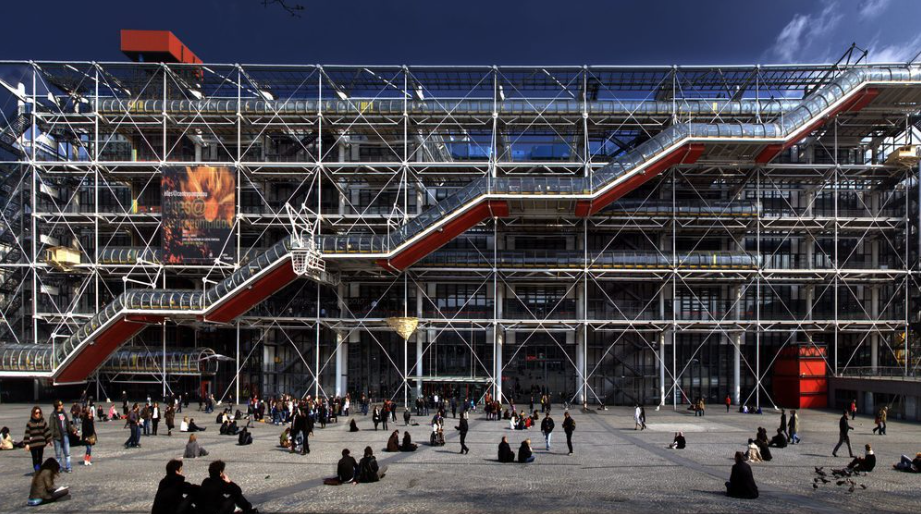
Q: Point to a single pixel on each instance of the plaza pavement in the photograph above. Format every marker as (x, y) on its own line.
(614, 468)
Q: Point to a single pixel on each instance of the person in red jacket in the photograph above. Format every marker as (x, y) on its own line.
(728, 402)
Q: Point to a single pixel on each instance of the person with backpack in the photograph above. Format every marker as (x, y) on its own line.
(368, 469)
(569, 426)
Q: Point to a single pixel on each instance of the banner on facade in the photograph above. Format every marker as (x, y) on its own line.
(198, 206)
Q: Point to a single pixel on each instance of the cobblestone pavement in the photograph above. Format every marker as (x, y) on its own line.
(614, 467)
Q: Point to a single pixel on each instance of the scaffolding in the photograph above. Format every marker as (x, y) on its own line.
(605, 234)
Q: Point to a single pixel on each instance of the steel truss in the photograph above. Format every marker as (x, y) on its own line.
(646, 301)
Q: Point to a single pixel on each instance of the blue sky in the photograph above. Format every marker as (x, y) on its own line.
(475, 31)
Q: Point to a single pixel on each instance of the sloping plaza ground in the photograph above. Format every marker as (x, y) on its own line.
(614, 468)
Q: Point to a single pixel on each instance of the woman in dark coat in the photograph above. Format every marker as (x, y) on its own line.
(505, 451)
(741, 482)
(408, 444)
(353, 427)
(524, 452)
(393, 444)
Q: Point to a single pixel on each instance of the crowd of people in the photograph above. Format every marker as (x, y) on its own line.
(64, 430)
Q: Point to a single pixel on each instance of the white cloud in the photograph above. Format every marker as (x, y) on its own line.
(898, 52)
(799, 38)
(870, 9)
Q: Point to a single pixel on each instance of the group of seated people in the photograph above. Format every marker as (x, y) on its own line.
(522, 421)
(188, 425)
(759, 447)
(745, 409)
(394, 445)
(506, 454)
(217, 493)
(348, 471)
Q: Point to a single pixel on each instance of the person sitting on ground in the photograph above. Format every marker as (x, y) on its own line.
(174, 494)
(6, 440)
(218, 494)
(194, 450)
(408, 444)
(393, 443)
(762, 435)
(506, 414)
(245, 438)
(679, 442)
(353, 427)
(765, 450)
(230, 428)
(906, 464)
(43, 489)
(524, 452)
(284, 440)
(754, 453)
(865, 463)
(438, 436)
(779, 440)
(368, 470)
(505, 451)
(347, 467)
(741, 482)
(113, 413)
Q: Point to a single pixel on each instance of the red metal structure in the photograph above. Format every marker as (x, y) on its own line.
(156, 46)
(800, 378)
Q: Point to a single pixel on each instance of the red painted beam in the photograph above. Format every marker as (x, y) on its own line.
(687, 154)
(95, 354)
(155, 46)
(858, 102)
(452, 229)
(258, 291)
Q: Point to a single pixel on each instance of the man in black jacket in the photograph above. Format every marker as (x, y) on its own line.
(175, 495)
(546, 428)
(741, 482)
(569, 426)
(505, 451)
(843, 437)
(218, 495)
(299, 426)
(347, 467)
(463, 427)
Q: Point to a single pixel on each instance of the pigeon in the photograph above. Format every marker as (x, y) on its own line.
(825, 480)
(840, 482)
(863, 486)
(820, 472)
(851, 489)
(815, 486)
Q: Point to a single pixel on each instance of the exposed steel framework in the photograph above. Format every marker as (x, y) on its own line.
(613, 234)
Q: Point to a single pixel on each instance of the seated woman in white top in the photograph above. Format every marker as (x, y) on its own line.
(184, 426)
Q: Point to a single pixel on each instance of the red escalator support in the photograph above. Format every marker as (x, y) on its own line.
(93, 355)
(452, 229)
(800, 379)
(858, 102)
(687, 154)
(256, 292)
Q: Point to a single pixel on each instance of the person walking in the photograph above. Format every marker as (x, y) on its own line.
(569, 426)
(546, 428)
(636, 417)
(155, 417)
(728, 402)
(60, 435)
(463, 427)
(883, 415)
(793, 428)
(170, 418)
(88, 435)
(642, 418)
(843, 436)
(853, 409)
(406, 416)
(783, 424)
(134, 416)
(37, 437)
(376, 417)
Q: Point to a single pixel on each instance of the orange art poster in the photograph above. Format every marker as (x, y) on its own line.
(199, 204)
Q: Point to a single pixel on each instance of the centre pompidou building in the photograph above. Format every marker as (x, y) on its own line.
(604, 234)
